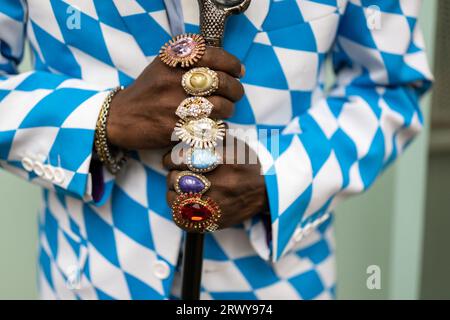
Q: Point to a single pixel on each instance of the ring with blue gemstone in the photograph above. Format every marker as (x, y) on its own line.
(202, 160)
(188, 182)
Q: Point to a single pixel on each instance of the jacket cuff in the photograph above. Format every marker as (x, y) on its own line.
(60, 158)
(288, 181)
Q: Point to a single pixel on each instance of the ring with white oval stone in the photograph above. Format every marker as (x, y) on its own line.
(200, 81)
(200, 133)
(194, 108)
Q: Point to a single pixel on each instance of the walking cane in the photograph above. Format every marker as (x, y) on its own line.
(213, 16)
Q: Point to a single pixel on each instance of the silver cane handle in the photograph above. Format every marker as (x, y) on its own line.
(213, 17)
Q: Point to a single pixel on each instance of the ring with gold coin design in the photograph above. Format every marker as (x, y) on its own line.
(200, 82)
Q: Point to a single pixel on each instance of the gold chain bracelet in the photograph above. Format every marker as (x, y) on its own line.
(112, 160)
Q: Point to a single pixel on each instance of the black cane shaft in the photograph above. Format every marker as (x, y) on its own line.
(192, 266)
(212, 25)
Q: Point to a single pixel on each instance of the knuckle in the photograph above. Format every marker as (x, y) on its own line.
(234, 184)
(237, 89)
(223, 107)
(167, 161)
(215, 100)
(170, 177)
(241, 90)
(168, 79)
(209, 52)
(165, 158)
(223, 60)
(225, 87)
(223, 81)
(233, 67)
(229, 109)
(165, 82)
(170, 197)
(236, 67)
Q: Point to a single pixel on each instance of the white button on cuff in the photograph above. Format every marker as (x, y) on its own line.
(38, 168)
(59, 176)
(27, 164)
(161, 270)
(48, 173)
(298, 235)
(307, 229)
(324, 217)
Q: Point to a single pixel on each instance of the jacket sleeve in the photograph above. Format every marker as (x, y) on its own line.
(47, 120)
(342, 143)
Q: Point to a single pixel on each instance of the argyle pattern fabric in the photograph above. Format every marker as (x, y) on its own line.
(319, 146)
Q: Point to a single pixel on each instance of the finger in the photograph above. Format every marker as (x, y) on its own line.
(220, 60)
(171, 197)
(229, 87)
(223, 108)
(243, 71)
(172, 179)
(173, 161)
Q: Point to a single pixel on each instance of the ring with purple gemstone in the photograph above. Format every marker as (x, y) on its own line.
(188, 182)
(185, 50)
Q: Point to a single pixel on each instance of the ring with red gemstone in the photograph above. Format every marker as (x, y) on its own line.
(185, 50)
(195, 213)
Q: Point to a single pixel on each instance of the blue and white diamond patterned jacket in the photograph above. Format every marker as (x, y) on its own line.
(332, 143)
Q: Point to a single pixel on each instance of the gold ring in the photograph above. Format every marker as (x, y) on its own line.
(193, 213)
(200, 82)
(200, 133)
(186, 50)
(212, 227)
(194, 108)
(202, 160)
(189, 182)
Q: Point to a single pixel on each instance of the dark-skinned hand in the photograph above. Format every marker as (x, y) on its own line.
(142, 116)
(238, 189)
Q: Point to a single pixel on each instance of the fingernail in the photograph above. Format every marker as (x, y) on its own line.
(242, 71)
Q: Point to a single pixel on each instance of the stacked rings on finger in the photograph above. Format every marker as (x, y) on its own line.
(192, 210)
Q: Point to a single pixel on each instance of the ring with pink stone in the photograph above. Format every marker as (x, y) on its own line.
(185, 50)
